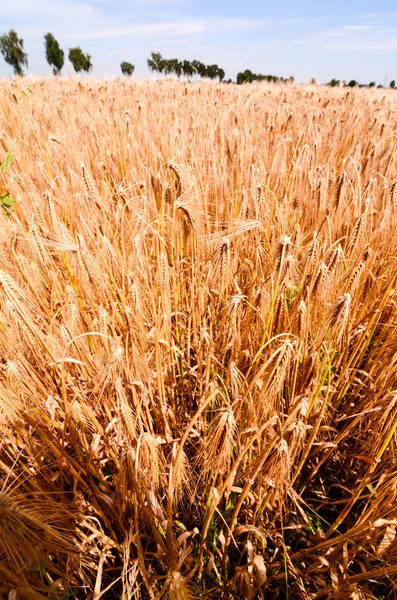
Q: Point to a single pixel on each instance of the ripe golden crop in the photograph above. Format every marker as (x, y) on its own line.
(198, 392)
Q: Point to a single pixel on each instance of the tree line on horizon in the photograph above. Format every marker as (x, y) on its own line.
(174, 66)
(248, 77)
(353, 83)
(12, 49)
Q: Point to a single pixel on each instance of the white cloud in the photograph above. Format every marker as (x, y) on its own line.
(146, 30)
(357, 27)
(164, 29)
(358, 38)
(157, 2)
(376, 15)
(179, 28)
(364, 46)
(28, 9)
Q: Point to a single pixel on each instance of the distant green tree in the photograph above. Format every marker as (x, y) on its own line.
(156, 62)
(203, 70)
(212, 71)
(352, 83)
(177, 67)
(334, 82)
(173, 67)
(393, 84)
(54, 54)
(245, 77)
(187, 68)
(167, 66)
(11, 47)
(221, 74)
(248, 76)
(79, 60)
(127, 68)
(372, 84)
(199, 68)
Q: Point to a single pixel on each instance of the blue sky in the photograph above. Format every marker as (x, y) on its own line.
(347, 39)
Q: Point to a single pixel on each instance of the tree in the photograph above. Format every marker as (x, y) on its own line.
(11, 48)
(166, 66)
(245, 77)
(212, 71)
(221, 74)
(187, 68)
(393, 84)
(173, 65)
(156, 63)
(54, 54)
(352, 83)
(248, 76)
(176, 67)
(372, 84)
(199, 68)
(79, 60)
(127, 68)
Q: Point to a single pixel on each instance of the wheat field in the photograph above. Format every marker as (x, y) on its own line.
(198, 369)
